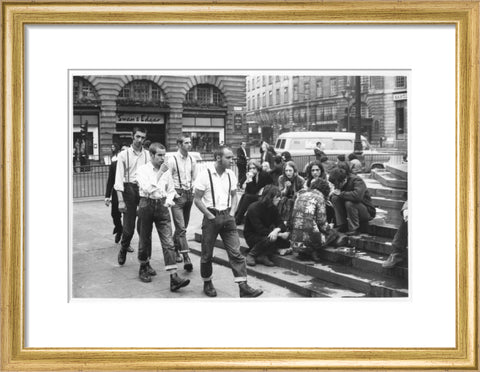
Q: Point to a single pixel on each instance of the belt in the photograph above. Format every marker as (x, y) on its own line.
(153, 201)
(216, 212)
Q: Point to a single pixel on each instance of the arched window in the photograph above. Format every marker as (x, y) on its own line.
(84, 92)
(205, 95)
(141, 93)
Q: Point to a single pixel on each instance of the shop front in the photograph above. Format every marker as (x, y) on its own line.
(153, 120)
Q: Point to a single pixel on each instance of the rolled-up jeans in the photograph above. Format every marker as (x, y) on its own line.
(131, 198)
(151, 212)
(181, 217)
(225, 225)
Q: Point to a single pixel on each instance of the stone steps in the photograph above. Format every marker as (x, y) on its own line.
(305, 285)
(388, 179)
(398, 170)
(357, 272)
(378, 190)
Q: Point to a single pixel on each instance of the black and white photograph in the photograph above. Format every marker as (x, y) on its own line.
(259, 184)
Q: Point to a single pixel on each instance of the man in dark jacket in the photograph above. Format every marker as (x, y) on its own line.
(242, 159)
(264, 230)
(351, 201)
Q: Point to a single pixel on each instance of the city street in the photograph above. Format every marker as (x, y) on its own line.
(96, 273)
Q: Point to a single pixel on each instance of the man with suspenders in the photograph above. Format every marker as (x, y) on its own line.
(215, 195)
(183, 169)
(126, 186)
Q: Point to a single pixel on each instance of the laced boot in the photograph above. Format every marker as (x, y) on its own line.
(143, 274)
(209, 289)
(177, 282)
(247, 291)
(187, 263)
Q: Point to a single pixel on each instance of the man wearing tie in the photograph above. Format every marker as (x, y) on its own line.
(242, 160)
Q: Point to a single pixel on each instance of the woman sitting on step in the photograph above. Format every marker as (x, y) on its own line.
(289, 184)
(264, 230)
(257, 179)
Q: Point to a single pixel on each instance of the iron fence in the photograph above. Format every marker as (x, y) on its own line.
(91, 180)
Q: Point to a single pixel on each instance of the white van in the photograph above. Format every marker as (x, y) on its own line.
(301, 146)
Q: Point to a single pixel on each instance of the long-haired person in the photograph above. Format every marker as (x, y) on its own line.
(264, 230)
(111, 197)
(289, 183)
(256, 180)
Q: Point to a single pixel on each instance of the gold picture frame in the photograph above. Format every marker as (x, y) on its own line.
(463, 14)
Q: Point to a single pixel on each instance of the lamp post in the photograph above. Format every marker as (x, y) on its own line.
(347, 95)
(357, 148)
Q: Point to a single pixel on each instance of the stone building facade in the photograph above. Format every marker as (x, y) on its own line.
(281, 103)
(211, 108)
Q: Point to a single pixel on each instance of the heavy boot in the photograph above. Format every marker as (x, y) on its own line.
(177, 282)
(247, 291)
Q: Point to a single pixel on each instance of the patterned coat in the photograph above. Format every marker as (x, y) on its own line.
(309, 221)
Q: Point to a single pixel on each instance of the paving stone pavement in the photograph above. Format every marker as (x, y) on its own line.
(97, 274)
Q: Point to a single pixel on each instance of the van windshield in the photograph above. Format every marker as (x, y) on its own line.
(280, 143)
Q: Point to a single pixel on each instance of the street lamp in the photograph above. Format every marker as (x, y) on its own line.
(347, 95)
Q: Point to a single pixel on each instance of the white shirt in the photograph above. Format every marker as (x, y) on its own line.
(154, 184)
(127, 164)
(223, 197)
(187, 167)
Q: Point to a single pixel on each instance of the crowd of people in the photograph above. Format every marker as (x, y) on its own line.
(282, 212)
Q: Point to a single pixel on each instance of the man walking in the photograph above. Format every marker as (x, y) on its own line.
(183, 170)
(242, 160)
(156, 191)
(215, 194)
(126, 186)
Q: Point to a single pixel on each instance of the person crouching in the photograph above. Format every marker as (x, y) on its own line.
(264, 229)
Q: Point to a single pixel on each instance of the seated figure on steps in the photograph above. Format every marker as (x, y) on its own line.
(400, 242)
(264, 230)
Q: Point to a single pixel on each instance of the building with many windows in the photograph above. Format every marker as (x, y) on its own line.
(277, 104)
(210, 108)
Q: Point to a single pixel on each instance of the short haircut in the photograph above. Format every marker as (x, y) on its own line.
(182, 138)
(219, 151)
(139, 129)
(154, 147)
(318, 143)
(341, 157)
(323, 159)
(352, 156)
(337, 176)
(269, 193)
(256, 164)
(277, 159)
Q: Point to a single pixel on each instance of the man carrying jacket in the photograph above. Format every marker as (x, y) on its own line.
(351, 201)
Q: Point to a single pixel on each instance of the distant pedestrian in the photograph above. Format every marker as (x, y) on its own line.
(318, 152)
(183, 169)
(111, 195)
(242, 160)
(352, 202)
(156, 189)
(215, 194)
(128, 162)
(355, 164)
(266, 153)
(264, 230)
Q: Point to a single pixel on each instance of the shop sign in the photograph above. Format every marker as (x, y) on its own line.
(238, 120)
(400, 97)
(237, 108)
(140, 119)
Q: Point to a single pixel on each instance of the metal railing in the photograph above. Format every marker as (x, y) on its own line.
(91, 180)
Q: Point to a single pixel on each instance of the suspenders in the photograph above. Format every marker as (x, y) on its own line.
(128, 163)
(213, 190)
(178, 171)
